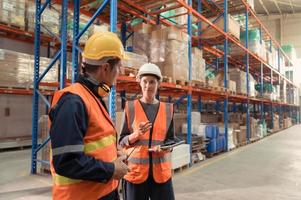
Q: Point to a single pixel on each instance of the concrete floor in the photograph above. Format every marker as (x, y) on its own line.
(269, 169)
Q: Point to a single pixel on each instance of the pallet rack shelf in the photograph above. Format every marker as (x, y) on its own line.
(118, 13)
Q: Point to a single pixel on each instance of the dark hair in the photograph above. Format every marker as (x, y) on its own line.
(89, 68)
(93, 68)
(113, 62)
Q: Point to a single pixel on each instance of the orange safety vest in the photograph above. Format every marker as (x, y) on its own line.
(99, 142)
(138, 161)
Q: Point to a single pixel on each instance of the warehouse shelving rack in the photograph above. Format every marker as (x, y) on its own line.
(127, 84)
(150, 12)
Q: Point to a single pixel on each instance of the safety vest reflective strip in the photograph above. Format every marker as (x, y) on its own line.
(88, 148)
(102, 143)
(155, 160)
(62, 180)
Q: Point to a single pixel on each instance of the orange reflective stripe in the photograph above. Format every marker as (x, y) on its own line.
(99, 144)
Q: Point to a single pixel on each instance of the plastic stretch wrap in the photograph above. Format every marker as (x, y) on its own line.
(134, 61)
(240, 78)
(17, 69)
(49, 19)
(13, 12)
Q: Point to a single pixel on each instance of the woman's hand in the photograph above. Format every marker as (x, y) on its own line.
(143, 127)
(157, 149)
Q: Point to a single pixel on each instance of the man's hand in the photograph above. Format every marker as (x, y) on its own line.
(120, 168)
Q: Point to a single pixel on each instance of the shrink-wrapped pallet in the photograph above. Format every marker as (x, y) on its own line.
(13, 12)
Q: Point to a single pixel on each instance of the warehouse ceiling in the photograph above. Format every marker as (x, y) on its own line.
(277, 7)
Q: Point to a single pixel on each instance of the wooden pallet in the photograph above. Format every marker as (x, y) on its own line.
(14, 26)
(129, 71)
(181, 82)
(167, 79)
(198, 84)
(210, 155)
(180, 169)
(242, 94)
(232, 149)
(252, 140)
(232, 92)
(242, 144)
(196, 161)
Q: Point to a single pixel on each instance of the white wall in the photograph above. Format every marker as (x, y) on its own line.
(285, 29)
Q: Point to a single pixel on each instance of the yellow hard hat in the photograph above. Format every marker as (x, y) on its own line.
(103, 44)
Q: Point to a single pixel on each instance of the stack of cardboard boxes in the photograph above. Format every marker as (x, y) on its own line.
(18, 69)
(13, 12)
(168, 48)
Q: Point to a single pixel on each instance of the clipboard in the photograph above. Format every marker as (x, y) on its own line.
(171, 145)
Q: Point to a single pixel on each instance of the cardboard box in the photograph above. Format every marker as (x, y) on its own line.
(232, 86)
(242, 135)
(210, 32)
(176, 60)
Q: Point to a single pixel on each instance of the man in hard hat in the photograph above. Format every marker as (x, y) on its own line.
(148, 123)
(85, 164)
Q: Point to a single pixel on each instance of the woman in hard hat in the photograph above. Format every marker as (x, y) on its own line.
(148, 124)
(84, 163)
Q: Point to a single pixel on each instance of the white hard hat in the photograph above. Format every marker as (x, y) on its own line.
(149, 69)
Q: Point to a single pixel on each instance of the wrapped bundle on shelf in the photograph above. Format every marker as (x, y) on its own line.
(134, 60)
(296, 96)
(176, 60)
(254, 41)
(50, 19)
(242, 135)
(287, 122)
(210, 118)
(210, 32)
(157, 46)
(269, 57)
(274, 58)
(282, 65)
(240, 78)
(277, 92)
(262, 130)
(141, 39)
(263, 53)
(82, 25)
(232, 86)
(235, 117)
(276, 123)
(252, 83)
(290, 51)
(251, 3)
(13, 13)
(218, 81)
(198, 65)
(18, 69)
